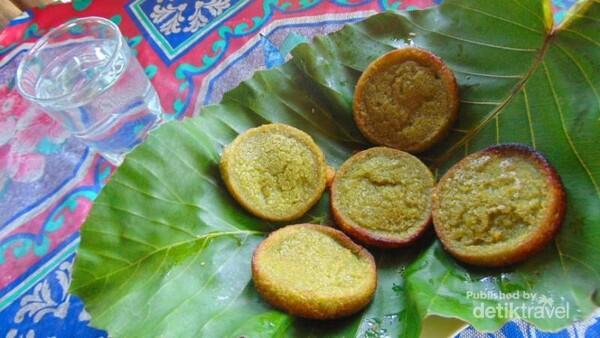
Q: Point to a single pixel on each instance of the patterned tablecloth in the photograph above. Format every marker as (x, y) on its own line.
(193, 51)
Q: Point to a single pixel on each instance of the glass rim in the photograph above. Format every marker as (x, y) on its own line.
(43, 41)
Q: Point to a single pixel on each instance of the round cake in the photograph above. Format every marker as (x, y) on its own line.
(382, 197)
(498, 206)
(406, 99)
(275, 171)
(314, 271)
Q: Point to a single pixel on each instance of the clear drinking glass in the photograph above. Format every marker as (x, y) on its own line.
(84, 75)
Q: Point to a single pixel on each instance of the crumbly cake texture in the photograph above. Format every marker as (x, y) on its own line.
(498, 206)
(275, 171)
(382, 197)
(314, 271)
(406, 99)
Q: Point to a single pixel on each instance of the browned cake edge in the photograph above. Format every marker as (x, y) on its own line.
(425, 58)
(367, 236)
(549, 226)
(349, 305)
(223, 168)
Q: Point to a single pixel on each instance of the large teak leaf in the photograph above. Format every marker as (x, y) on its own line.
(166, 251)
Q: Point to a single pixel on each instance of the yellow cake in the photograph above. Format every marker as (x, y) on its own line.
(498, 206)
(406, 99)
(314, 271)
(275, 171)
(382, 197)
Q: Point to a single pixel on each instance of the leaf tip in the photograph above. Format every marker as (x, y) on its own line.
(548, 15)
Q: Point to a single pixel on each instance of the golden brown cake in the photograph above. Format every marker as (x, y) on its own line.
(498, 206)
(275, 171)
(406, 99)
(382, 197)
(314, 271)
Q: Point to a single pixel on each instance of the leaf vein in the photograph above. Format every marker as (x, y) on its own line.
(566, 132)
(131, 239)
(485, 44)
(587, 17)
(580, 68)
(497, 130)
(150, 254)
(184, 270)
(129, 212)
(147, 280)
(537, 60)
(565, 272)
(583, 36)
(500, 76)
(197, 292)
(437, 291)
(157, 177)
(189, 166)
(495, 17)
(529, 118)
(518, 3)
(489, 103)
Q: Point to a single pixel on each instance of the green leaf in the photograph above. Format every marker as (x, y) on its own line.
(554, 107)
(166, 251)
